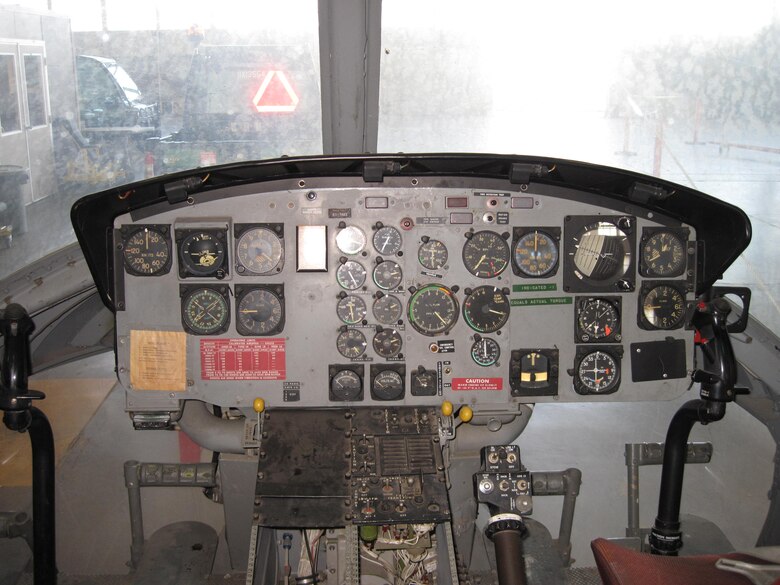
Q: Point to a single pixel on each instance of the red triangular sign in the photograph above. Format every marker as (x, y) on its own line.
(275, 94)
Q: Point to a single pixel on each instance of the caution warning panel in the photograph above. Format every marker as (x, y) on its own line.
(242, 359)
(477, 384)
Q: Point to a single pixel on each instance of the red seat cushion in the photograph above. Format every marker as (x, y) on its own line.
(622, 566)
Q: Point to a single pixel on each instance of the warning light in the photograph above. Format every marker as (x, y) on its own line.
(275, 94)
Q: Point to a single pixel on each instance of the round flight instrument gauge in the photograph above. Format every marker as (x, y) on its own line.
(485, 352)
(202, 253)
(663, 254)
(387, 240)
(351, 309)
(486, 309)
(346, 385)
(433, 309)
(602, 252)
(486, 254)
(387, 309)
(351, 240)
(663, 307)
(387, 385)
(536, 254)
(387, 275)
(205, 311)
(259, 312)
(388, 343)
(259, 251)
(351, 275)
(351, 343)
(432, 254)
(597, 373)
(147, 252)
(597, 319)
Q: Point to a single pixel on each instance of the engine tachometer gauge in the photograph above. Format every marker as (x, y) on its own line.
(661, 306)
(432, 254)
(485, 351)
(433, 309)
(387, 240)
(351, 343)
(259, 311)
(259, 251)
(351, 309)
(597, 372)
(351, 275)
(663, 254)
(486, 309)
(204, 310)
(147, 250)
(202, 252)
(486, 254)
(536, 254)
(387, 275)
(388, 343)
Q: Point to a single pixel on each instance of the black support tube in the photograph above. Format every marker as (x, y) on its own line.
(509, 557)
(44, 541)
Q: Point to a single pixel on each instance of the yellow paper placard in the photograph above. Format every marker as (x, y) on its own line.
(158, 360)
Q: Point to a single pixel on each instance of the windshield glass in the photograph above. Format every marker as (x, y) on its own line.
(664, 88)
(677, 90)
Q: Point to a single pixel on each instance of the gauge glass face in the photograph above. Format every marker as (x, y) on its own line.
(536, 254)
(351, 240)
(598, 372)
(259, 250)
(146, 252)
(486, 309)
(602, 252)
(664, 307)
(351, 343)
(432, 255)
(388, 385)
(387, 343)
(597, 319)
(346, 385)
(205, 312)
(387, 275)
(486, 254)
(351, 275)
(485, 352)
(424, 383)
(433, 309)
(663, 254)
(387, 240)
(202, 253)
(387, 309)
(259, 312)
(351, 309)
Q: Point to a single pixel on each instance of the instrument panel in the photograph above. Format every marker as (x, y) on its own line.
(406, 292)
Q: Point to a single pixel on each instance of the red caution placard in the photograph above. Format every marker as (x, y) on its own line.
(477, 384)
(243, 359)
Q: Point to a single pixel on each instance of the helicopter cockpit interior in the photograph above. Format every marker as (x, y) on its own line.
(386, 369)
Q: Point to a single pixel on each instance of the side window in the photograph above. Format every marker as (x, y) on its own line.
(36, 90)
(95, 85)
(9, 95)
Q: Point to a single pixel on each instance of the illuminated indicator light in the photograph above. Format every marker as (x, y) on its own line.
(276, 97)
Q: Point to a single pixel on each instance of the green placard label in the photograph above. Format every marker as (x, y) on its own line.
(540, 301)
(534, 287)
